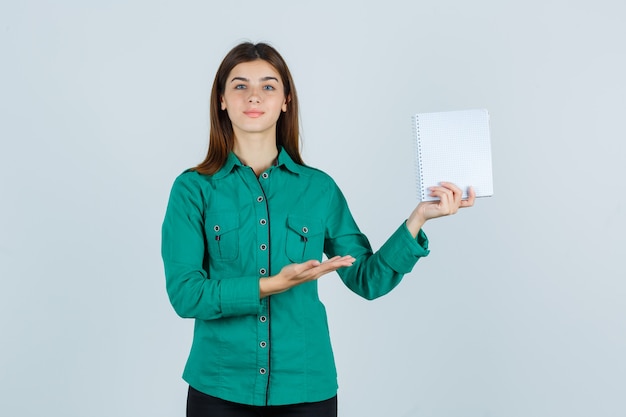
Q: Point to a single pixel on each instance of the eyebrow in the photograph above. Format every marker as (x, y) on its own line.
(268, 78)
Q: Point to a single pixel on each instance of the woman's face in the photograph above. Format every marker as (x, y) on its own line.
(254, 98)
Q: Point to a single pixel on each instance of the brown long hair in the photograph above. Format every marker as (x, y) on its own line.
(221, 137)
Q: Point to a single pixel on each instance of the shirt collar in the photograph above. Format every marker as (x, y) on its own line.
(231, 162)
(283, 160)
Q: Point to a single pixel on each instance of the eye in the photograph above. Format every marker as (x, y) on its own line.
(269, 87)
(240, 87)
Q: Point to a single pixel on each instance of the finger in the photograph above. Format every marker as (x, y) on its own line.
(437, 192)
(310, 264)
(333, 264)
(471, 197)
(332, 259)
(344, 260)
(445, 197)
(457, 194)
(305, 266)
(341, 258)
(452, 186)
(338, 259)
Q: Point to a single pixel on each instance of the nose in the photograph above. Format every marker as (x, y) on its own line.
(255, 97)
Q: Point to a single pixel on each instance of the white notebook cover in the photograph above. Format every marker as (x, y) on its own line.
(453, 146)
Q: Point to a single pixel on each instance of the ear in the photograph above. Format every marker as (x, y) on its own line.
(287, 100)
(222, 103)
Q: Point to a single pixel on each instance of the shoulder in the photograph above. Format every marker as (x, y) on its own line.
(317, 175)
(190, 184)
(320, 183)
(191, 177)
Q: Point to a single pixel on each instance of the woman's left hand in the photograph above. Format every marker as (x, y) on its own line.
(450, 201)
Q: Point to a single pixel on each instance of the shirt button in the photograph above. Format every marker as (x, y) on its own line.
(262, 371)
(259, 198)
(263, 222)
(262, 271)
(263, 246)
(305, 229)
(216, 228)
(263, 344)
(265, 175)
(262, 319)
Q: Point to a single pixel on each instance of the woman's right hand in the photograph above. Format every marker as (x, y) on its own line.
(296, 274)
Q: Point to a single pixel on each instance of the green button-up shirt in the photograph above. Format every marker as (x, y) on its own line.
(222, 232)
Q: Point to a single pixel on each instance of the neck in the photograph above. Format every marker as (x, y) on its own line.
(257, 154)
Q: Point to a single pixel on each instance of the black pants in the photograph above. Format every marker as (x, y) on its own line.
(203, 405)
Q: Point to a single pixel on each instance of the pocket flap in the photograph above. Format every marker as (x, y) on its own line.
(220, 223)
(305, 226)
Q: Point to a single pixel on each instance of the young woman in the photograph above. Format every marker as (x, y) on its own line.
(243, 239)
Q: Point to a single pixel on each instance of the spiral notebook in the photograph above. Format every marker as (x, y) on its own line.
(453, 146)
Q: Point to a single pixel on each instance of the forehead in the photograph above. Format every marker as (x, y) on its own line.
(254, 70)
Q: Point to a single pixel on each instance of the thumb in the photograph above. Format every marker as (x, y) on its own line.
(304, 266)
(312, 263)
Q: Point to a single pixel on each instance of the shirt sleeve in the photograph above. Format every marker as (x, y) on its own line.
(191, 291)
(373, 274)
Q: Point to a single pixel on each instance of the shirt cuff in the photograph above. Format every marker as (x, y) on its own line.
(239, 296)
(401, 251)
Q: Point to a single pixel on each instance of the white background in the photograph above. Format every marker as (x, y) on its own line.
(518, 311)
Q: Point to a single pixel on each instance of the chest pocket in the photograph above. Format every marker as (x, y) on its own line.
(305, 239)
(222, 232)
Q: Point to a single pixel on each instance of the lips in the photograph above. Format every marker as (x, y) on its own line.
(254, 113)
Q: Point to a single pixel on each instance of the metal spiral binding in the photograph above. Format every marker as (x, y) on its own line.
(418, 157)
